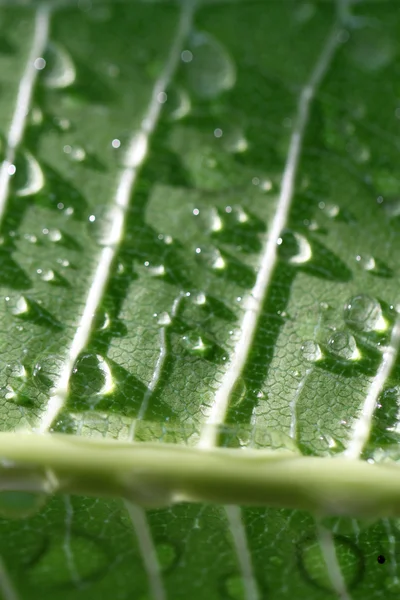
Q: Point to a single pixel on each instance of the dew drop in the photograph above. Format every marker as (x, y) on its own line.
(212, 257)
(178, 105)
(211, 70)
(166, 554)
(55, 235)
(200, 298)
(311, 351)
(366, 262)
(164, 319)
(314, 568)
(17, 305)
(343, 345)
(29, 178)
(20, 505)
(47, 275)
(195, 344)
(294, 248)
(364, 313)
(157, 270)
(46, 372)
(91, 375)
(234, 587)
(60, 70)
(77, 153)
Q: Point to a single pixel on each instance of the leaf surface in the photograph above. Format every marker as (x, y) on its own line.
(199, 238)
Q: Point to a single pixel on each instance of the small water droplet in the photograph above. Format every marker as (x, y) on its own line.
(77, 153)
(16, 305)
(343, 345)
(311, 351)
(366, 262)
(20, 505)
(166, 554)
(60, 70)
(195, 344)
(212, 257)
(211, 70)
(29, 178)
(200, 298)
(294, 248)
(47, 275)
(364, 313)
(55, 235)
(164, 319)
(234, 140)
(234, 587)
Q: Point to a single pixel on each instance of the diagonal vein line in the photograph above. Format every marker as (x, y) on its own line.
(242, 551)
(362, 426)
(254, 302)
(327, 545)
(134, 159)
(149, 556)
(24, 97)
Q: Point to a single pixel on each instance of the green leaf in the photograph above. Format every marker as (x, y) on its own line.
(200, 383)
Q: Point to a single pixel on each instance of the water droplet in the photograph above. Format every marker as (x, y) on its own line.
(364, 313)
(178, 105)
(16, 305)
(47, 275)
(164, 319)
(195, 344)
(343, 345)
(234, 587)
(29, 178)
(200, 299)
(211, 71)
(311, 351)
(157, 270)
(212, 257)
(166, 554)
(315, 570)
(366, 262)
(234, 140)
(294, 248)
(91, 375)
(60, 69)
(55, 235)
(20, 505)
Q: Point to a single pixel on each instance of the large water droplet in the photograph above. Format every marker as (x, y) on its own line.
(343, 345)
(60, 69)
(28, 179)
(19, 505)
(364, 313)
(211, 70)
(314, 568)
(294, 248)
(91, 375)
(311, 351)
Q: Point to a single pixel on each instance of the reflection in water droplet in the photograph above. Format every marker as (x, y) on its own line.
(343, 345)
(211, 71)
(234, 587)
(19, 505)
(314, 568)
(16, 305)
(366, 262)
(311, 351)
(364, 314)
(166, 555)
(91, 375)
(60, 69)
(195, 345)
(294, 248)
(29, 178)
